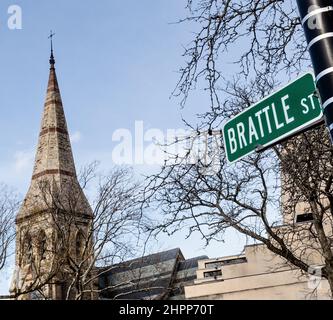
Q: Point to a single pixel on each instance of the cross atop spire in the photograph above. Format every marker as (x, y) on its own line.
(52, 60)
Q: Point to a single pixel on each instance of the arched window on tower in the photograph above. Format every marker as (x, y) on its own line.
(42, 245)
(27, 250)
(79, 245)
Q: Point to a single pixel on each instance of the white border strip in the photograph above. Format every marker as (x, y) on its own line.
(324, 73)
(327, 102)
(315, 12)
(330, 127)
(318, 38)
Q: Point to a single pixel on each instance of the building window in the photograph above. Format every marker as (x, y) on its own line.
(219, 264)
(61, 291)
(213, 274)
(213, 265)
(79, 245)
(27, 250)
(42, 245)
(234, 261)
(305, 217)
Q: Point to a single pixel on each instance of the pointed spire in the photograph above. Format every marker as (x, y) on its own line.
(52, 60)
(54, 153)
(54, 160)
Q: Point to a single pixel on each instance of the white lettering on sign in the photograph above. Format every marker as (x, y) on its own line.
(232, 139)
(241, 134)
(264, 122)
(252, 130)
(286, 108)
(265, 110)
(277, 124)
(312, 101)
(258, 115)
(306, 107)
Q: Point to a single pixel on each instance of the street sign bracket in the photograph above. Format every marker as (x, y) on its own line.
(316, 93)
(260, 148)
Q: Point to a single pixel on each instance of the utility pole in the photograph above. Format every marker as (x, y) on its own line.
(317, 21)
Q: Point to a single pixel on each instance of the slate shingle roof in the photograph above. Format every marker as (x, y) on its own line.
(158, 276)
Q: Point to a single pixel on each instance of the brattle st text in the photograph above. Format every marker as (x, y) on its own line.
(240, 138)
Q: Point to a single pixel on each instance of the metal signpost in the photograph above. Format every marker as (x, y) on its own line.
(317, 21)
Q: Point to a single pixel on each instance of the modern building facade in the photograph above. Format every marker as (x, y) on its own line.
(258, 274)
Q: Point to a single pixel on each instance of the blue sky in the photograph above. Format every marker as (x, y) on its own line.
(117, 63)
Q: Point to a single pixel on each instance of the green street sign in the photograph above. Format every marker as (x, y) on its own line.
(284, 113)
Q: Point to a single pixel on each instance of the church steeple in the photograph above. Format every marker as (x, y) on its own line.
(54, 158)
(54, 202)
(54, 152)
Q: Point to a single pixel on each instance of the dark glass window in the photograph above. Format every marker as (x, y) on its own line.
(234, 261)
(213, 274)
(304, 217)
(219, 264)
(42, 245)
(79, 245)
(214, 265)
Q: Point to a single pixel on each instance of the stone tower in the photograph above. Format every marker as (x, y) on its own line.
(54, 222)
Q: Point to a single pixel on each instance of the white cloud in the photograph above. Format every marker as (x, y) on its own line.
(75, 137)
(23, 160)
